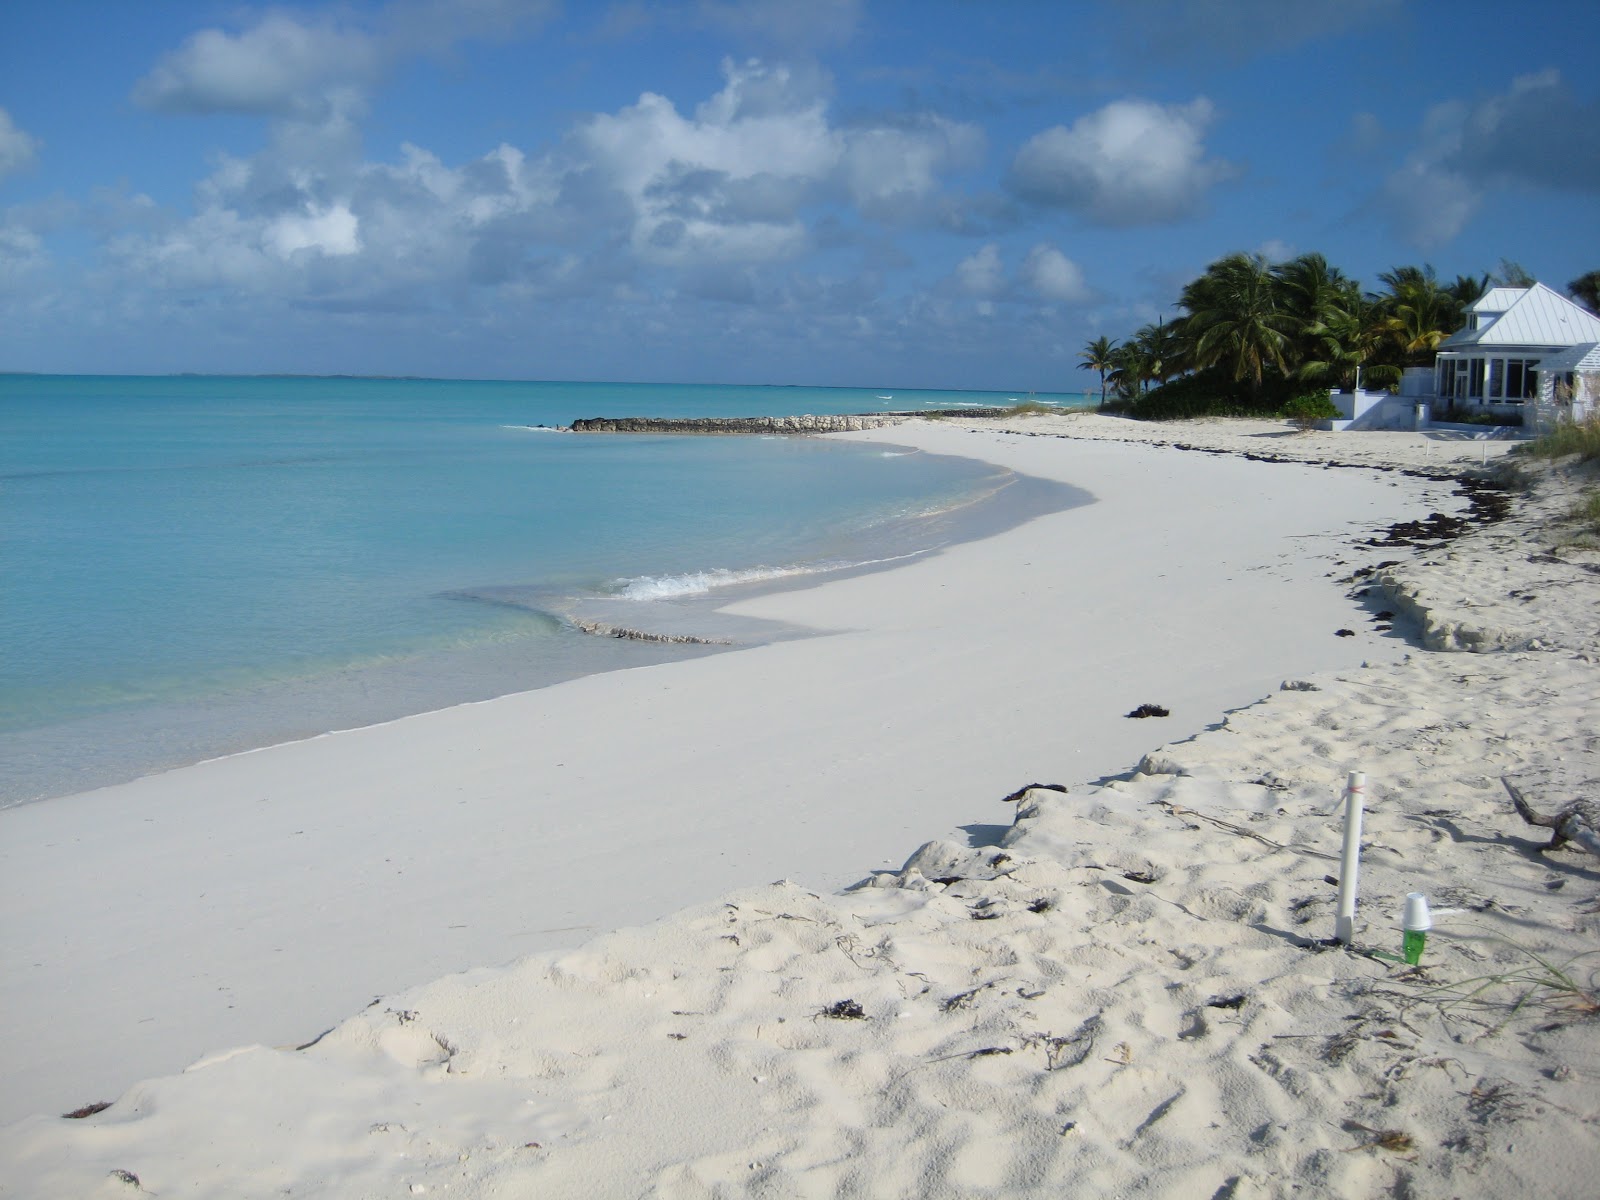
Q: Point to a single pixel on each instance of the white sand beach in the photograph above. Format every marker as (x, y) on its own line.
(1110, 989)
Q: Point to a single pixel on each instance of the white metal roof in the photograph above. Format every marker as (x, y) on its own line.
(1497, 299)
(1535, 316)
(1578, 358)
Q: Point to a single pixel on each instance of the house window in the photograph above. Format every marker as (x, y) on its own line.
(1475, 378)
(1497, 378)
(1530, 378)
(1520, 378)
(1458, 373)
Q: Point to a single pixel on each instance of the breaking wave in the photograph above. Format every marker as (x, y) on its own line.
(700, 583)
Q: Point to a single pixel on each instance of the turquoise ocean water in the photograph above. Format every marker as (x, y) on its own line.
(191, 566)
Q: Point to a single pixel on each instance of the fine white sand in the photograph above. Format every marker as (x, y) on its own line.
(1112, 995)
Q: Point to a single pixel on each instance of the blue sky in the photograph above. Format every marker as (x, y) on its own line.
(943, 193)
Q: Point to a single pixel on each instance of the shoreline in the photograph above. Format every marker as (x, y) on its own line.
(1074, 996)
(926, 661)
(162, 736)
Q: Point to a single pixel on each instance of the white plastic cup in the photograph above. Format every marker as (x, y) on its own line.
(1417, 918)
(1415, 925)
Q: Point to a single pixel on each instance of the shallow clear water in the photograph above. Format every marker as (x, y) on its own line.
(198, 565)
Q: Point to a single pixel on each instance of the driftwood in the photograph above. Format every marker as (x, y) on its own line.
(1577, 822)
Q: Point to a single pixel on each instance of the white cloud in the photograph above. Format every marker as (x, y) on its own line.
(22, 253)
(651, 196)
(333, 231)
(279, 67)
(1133, 162)
(293, 67)
(891, 172)
(17, 148)
(691, 181)
(1535, 134)
(1427, 204)
(1045, 274)
(981, 273)
(1053, 276)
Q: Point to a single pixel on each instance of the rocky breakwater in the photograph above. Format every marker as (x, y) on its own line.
(825, 423)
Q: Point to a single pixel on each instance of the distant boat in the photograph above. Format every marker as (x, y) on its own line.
(885, 397)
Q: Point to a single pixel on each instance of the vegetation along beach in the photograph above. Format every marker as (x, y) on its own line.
(707, 599)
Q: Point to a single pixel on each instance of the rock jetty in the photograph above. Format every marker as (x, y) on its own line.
(826, 423)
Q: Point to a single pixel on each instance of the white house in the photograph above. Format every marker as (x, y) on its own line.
(1529, 354)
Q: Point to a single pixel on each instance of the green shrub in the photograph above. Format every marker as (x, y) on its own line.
(1472, 416)
(1308, 408)
(1211, 393)
(1208, 393)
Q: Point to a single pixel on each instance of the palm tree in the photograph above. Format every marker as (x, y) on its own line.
(1234, 321)
(1585, 289)
(1099, 355)
(1419, 313)
(1513, 274)
(1467, 290)
(1129, 371)
(1312, 295)
(1343, 345)
(1158, 351)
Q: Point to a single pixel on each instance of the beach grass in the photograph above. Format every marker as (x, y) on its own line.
(1585, 516)
(1581, 438)
(1563, 989)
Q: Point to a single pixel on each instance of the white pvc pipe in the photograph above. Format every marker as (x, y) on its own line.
(1344, 929)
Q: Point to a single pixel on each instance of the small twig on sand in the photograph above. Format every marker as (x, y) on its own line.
(1178, 810)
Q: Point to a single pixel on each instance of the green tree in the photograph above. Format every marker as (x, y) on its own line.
(1159, 350)
(1513, 274)
(1234, 320)
(1313, 298)
(1585, 289)
(1465, 292)
(1099, 355)
(1419, 314)
(1129, 372)
(1345, 347)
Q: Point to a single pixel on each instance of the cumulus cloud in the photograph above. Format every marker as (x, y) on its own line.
(729, 181)
(981, 273)
(17, 148)
(22, 253)
(1051, 275)
(1428, 205)
(289, 67)
(280, 67)
(708, 200)
(1536, 134)
(333, 231)
(1045, 273)
(694, 182)
(1132, 162)
(892, 172)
